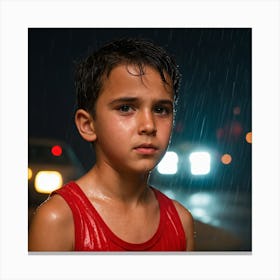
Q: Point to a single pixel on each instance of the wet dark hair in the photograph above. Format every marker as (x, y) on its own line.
(90, 72)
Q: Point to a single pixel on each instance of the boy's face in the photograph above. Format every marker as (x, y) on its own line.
(133, 120)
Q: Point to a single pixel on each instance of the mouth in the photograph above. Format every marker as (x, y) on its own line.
(146, 149)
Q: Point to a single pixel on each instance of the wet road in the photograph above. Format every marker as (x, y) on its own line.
(222, 219)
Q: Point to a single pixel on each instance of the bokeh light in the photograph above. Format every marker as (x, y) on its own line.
(169, 164)
(30, 173)
(57, 150)
(249, 137)
(226, 159)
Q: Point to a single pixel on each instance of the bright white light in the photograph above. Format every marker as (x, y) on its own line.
(168, 164)
(48, 181)
(200, 163)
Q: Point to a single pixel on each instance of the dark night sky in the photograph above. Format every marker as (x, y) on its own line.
(216, 69)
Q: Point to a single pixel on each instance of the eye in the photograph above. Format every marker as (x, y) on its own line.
(162, 110)
(125, 108)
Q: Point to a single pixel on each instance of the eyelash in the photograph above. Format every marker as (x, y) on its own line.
(165, 111)
(158, 109)
(122, 108)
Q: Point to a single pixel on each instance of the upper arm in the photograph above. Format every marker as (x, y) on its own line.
(52, 227)
(188, 225)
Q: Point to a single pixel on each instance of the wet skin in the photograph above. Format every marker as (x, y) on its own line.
(133, 121)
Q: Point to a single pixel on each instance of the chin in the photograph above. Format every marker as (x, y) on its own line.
(139, 167)
(146, 169)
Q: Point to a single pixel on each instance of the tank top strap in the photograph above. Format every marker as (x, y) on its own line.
(171, 216)
(81, 210)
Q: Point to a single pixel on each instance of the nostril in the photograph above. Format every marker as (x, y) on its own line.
(148, 131)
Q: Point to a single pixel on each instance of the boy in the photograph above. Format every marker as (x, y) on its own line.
(125, 92)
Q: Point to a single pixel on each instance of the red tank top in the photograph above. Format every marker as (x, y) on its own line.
(92, 233)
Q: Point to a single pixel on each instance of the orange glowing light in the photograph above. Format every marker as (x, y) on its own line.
(249, 137)
(226, 159)
(30, 173)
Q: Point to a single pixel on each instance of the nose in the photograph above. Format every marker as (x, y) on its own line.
(147, 124)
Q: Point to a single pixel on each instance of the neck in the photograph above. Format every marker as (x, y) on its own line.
(121, 186)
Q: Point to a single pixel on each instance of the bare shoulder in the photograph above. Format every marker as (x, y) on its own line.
(52, 228)
(187, 222)
(183, 212)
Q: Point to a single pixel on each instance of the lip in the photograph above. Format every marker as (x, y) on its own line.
(146, 149)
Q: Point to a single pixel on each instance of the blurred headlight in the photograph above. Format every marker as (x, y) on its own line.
(48, 181)
(30, 173)
(200, 163)
(168, 164)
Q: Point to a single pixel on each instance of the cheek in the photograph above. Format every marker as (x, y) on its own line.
(165, 130)
(116, 129)
(114, 139)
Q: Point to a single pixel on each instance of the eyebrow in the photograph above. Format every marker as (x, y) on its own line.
(123, 99)
(135, 99)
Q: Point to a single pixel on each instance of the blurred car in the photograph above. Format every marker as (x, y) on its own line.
(206, 165)
(188, 164)
(51, 163)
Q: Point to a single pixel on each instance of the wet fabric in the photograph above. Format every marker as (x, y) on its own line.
(92, 233)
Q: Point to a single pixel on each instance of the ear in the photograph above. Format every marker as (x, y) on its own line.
(85, 125)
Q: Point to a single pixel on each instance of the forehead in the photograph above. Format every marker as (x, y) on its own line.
(130, 76)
